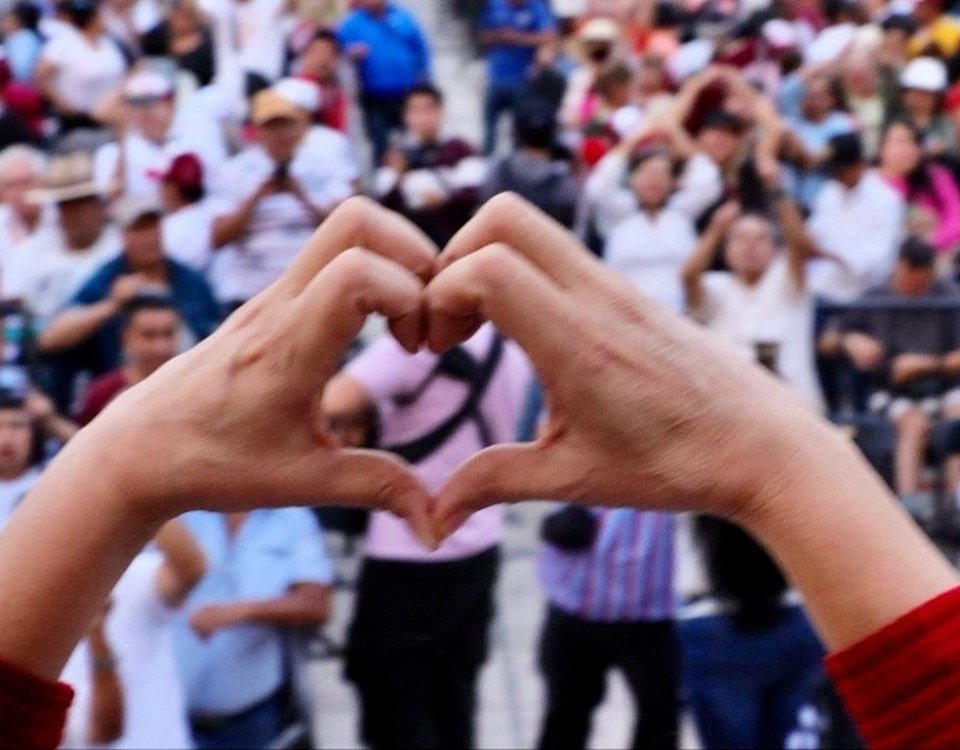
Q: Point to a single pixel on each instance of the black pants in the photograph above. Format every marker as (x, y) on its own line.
(382, 116)
(575, 655)
(416, 645)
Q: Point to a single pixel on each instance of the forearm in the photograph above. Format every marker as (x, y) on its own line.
(230, 227)
(842, 538)
(60, 428)
(291, 611)
(90, 530)
(184, 563)
(699, 263)
(75, 325)
(106, 704)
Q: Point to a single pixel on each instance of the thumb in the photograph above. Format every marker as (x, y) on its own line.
(375, 480)
(500, 474)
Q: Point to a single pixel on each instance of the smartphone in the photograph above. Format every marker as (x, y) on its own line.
(14, 383)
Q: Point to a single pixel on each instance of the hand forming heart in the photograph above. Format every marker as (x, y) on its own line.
(644, 408)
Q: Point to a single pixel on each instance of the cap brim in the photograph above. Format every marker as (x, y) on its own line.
(65, 194)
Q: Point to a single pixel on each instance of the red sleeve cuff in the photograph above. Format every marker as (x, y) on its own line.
(902, 683)
(33, 711)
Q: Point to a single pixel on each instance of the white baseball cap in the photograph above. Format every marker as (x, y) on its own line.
(147, 84)
(925, 74)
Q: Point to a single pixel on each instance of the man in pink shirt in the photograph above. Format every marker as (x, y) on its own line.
(419, 634)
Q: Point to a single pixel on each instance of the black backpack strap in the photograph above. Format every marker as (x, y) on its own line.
(417, 450)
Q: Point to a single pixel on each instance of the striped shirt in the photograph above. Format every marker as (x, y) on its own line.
(625, 576)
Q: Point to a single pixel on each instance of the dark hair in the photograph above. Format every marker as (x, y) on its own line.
(740, 570)
(146, 302)
(81, 13)
(327, 35)
(38, 440)
(641, 157)
(27, 15)
(615, 73)
(917, 253)
(425, 89)
(919, 180)
(534, 126)
(191, 193)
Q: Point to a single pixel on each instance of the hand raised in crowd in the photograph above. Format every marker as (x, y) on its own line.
(126, 287)
(207, 620)
(724, 217)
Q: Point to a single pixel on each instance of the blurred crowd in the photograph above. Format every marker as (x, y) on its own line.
(784, 173)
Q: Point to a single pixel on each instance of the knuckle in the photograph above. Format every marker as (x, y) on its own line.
(354, 214)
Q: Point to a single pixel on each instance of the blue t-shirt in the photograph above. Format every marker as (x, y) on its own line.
(507, 64)
(397, 56)
(188, 289)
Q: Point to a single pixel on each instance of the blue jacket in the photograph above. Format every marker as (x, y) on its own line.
(508, 63)
(189, 291)
(397, 54)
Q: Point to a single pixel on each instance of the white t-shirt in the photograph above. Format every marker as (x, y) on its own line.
(863, 227)
(12, 491)
(651, 252)
(281, 224)
(46, 274)
(187, 235)
(774, 310)
(14, 236)
(139, 630)
(86, 71)
(261, 27)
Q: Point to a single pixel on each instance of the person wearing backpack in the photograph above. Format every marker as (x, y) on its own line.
(420, 628)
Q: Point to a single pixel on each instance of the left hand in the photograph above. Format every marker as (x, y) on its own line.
(213, 617)
(40, 407)
(235, 422)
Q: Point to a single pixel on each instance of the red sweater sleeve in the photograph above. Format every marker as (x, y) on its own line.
(32, 710)
(902, 683)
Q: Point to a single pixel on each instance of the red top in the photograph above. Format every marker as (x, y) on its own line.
(902, 684)
(100, 392)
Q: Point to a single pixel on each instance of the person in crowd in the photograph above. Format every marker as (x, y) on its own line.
(321, 62)
(914, 356)
(90, 325)
(419, 634)
(22, 169)
(432, 179)
(762, 306)
(821, 118)
(511, 31)
(127, 20)
(186, 37)
(392, 56)
(750, 656)
(923, 83)
(131, 650)
(275, 193)
(187, 226)
(22, 40)
(80, 67)
(651, 246)
(268, 574)
(938, 34)
(597, 40)
(928, 189)
(149, 339)
(54, 264)
(856, 223)
(864, 89)
(610, 604)
(123, 167)
(532, 169)
(887, 606)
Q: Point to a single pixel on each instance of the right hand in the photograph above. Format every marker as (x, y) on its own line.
(645, 408)
(125, 288)
(724, 217)
(395, 160)
(864, 351)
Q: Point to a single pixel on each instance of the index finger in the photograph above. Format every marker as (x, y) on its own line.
(360, 222)
(509, 219)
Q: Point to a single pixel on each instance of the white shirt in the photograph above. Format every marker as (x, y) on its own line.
(86, 71)
(261, 27)
(46, 274)
(12, 491)
(774, 310)
(281, 224)
(14, 235)
(139, 630)
(611, 199)
(651, 251)
(204, 138)
(863, 227)
(187, 235)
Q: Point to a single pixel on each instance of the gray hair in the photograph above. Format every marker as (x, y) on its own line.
(19, 154)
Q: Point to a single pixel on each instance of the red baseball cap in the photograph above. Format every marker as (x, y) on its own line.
(183, 170)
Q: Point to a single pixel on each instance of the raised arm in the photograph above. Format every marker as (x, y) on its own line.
(184, 563)
(706, 253)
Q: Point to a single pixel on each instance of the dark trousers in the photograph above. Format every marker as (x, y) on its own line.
(498, 100)
(382, 115)
(575, 655)
(256, 727)
(415, 648)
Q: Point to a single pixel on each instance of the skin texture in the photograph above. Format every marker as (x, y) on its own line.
(236, 422)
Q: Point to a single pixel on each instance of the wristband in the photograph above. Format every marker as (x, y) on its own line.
(105, 663)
